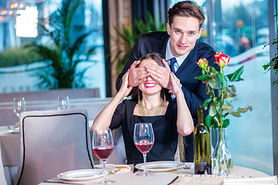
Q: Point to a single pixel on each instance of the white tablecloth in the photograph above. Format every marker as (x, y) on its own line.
(163, 178)
(9, 143)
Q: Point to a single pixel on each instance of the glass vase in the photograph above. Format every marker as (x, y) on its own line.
(222, 162)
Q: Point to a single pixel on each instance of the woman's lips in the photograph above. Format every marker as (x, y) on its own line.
(149, 85)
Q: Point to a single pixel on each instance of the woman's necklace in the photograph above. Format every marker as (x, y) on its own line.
(154, 111)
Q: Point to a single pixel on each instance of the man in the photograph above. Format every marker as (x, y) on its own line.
(179, 42)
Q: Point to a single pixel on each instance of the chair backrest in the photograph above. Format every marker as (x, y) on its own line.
(52, 142)
(2, 174)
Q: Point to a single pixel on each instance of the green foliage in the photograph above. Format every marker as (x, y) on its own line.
(219, 104)
(273, 64)
(17, 56)
(62, 55)
(130, 36)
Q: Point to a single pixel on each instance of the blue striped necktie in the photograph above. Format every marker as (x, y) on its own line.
(172, 64)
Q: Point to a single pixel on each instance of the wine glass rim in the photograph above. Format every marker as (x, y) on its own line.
(143, 123)
(101, 130)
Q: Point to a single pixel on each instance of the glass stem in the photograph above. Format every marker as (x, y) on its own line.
(145, 160)
(104, 162)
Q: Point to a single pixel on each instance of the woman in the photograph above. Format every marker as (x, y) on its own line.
(150, 103)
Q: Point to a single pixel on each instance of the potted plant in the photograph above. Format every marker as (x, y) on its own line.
(130, 36)
(61, 54)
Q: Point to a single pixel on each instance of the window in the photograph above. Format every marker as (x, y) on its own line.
(18, 26)
(242, 33)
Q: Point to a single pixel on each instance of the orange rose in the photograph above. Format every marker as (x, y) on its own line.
(203, 63)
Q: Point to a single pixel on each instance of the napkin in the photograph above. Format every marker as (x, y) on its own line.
(122, 168)
(248, 181)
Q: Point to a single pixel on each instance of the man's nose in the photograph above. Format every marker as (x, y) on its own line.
(183, 38)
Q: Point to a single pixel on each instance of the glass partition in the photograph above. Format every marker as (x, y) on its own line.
(242, 33)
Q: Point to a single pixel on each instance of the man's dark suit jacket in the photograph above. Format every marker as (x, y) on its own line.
(194, 90)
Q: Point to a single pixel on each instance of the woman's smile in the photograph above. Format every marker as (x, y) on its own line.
(149, 85)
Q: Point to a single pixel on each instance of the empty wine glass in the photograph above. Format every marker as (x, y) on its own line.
(63, 103)
(143, 139)
(103, 146)
(19, 106)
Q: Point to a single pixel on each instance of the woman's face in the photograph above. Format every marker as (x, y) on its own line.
(150, 86)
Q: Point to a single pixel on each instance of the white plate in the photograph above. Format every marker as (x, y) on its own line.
(160, 166)
(81, 175)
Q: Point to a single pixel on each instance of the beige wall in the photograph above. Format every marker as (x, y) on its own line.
(119, 14)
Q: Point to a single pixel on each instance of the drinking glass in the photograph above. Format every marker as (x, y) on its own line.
(143, 139)
(103, 146)
(63, 103)
(19, 106)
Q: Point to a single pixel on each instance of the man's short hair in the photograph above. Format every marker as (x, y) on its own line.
(186, 9)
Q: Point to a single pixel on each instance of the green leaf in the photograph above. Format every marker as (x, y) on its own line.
(235, 114)
(214, 83)
(212, 70)
(212, 110)
(230, 96)
(203, 77)
(243, 110)
(208, 120)
(227, 107)
(235, 77)
(207, 102)
(233, 88)
(226, 123)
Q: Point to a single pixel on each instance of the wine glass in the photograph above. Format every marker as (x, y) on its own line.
(63, 103)
(143, 139)
(103, 146)
(19, 106)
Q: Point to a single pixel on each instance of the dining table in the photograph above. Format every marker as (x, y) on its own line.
(10, 152)
(179, 176)
(9, 143)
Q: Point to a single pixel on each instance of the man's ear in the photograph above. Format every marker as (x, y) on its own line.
(168, 28)
(200, 32)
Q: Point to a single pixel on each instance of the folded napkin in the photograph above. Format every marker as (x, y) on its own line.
(122, 168)
(248, 181)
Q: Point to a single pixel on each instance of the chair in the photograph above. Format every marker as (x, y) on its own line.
(2, 174)
(52, 142)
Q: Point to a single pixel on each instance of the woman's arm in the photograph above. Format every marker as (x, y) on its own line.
(185, 123)
(103, 120)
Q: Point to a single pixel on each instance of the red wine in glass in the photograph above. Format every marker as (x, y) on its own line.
(103, 152)
(103, 144)
(144, 147)
(143, 139)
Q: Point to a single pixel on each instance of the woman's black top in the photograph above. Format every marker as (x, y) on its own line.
(164, 126)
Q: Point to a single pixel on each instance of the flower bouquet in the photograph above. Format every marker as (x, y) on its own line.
(221, 94)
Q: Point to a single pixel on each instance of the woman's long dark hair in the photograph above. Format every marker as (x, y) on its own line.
(156, 57)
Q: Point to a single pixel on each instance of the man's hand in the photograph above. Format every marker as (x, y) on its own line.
(136, 75)
(159, 73)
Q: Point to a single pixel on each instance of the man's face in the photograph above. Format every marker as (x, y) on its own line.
(184, 31)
